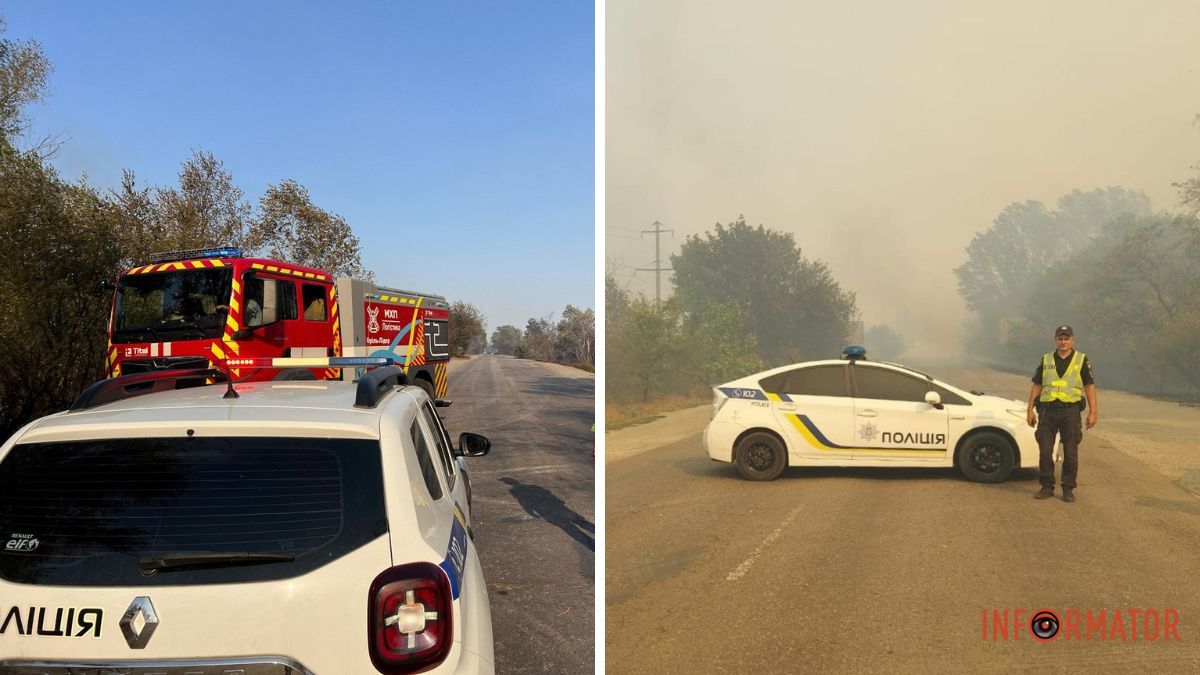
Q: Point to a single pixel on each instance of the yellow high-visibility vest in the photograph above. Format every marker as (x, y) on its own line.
(1069, 387)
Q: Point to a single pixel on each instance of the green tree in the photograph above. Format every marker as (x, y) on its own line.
(144, 227)
(1139, 301)
(24, 70)
(207, 209)
(539, 340)
(575, 336)
(718, 346)
(793, 306)
(290, 227)
(644, 358)
(616, 301)
(1027, 243)
(62, 247)
(506, 339)
(468, 329)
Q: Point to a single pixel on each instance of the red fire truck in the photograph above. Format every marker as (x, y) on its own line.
(198, 308)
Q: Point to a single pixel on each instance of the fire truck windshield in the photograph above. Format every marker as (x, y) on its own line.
(176, 305)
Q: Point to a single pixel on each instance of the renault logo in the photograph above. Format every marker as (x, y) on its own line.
(138, 634)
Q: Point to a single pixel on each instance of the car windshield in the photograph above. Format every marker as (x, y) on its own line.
(176, 305)
(152, 511)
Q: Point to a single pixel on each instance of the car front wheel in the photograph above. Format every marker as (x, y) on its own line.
(987, 457)
(760, 456)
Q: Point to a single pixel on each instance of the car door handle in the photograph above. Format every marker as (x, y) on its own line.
(787, 406)
(867, 413)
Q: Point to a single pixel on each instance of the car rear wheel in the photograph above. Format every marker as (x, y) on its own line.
(760, 456)
(987, 457)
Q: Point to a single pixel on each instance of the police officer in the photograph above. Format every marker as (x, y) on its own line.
(1060, 383)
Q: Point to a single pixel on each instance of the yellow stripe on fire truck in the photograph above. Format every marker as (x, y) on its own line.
(285, 270)
(176, 265)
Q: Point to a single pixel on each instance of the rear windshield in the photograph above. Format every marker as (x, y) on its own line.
(92, 513)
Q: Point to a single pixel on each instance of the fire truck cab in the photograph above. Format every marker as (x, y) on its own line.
(200, 307)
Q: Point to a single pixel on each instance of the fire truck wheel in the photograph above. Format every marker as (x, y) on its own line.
(427, 386)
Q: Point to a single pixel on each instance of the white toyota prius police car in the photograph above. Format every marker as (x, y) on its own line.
(275, 527)
(854, 412)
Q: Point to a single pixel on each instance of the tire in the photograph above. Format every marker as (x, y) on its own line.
(987, 457)
(760, 456)
(427, 386)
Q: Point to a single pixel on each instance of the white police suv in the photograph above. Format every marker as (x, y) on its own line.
(854, 412)
(274, 527)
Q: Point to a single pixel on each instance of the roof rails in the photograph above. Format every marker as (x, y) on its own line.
(127, 386)
(187, 254)
(376, 383)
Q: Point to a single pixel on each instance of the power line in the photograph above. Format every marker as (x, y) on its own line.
(658, 269)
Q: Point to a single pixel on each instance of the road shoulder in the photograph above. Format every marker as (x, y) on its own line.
(672, 427)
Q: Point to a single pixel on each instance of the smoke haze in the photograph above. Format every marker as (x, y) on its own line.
(884, 136)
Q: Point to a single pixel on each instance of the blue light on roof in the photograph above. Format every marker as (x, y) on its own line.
(189, 254)
(854, 352)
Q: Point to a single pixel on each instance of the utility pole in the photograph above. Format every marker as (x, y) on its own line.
(658, 269)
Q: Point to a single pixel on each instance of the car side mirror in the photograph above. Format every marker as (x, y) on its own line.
(473, 445)
(934, 399)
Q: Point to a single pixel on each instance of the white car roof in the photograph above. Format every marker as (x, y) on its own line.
(825, 362)
(752, 380)
(296, 408)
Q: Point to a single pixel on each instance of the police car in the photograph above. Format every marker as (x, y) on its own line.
(274, 527)
(854, 412)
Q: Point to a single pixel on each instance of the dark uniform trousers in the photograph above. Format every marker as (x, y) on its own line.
(1063, 421)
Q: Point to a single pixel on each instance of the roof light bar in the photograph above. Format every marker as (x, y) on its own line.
(310, 362)
(187, 254)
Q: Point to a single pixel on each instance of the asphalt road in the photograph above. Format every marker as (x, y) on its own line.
(892, 570)
(533, 506)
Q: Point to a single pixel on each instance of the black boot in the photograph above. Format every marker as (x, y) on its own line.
(1045, 493)
(1068, 495)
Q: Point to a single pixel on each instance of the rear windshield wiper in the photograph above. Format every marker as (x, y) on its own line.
(166, 561)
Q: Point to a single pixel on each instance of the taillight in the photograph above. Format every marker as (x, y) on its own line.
(409, 618)
(719, 400)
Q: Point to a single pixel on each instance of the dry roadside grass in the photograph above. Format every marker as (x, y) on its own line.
(622, 415)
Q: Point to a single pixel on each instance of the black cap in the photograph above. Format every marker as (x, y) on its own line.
(1064, 330)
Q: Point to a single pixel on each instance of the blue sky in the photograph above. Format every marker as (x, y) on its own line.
(457, 139)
